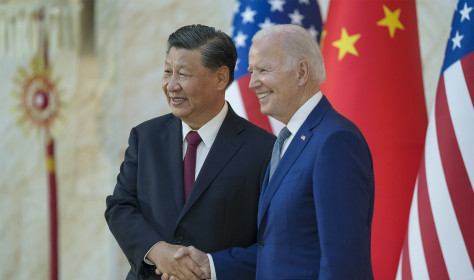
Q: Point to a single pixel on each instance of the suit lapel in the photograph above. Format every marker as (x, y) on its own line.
(172, 147)
(223, 149)
(296, 147)
(292, 153)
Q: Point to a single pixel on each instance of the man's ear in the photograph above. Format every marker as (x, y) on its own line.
(303, 72)
(222, 75)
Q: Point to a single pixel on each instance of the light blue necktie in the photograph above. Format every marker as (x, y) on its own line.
(284, 134)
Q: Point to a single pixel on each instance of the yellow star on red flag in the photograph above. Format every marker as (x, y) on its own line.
(346, 44)
(391, 20)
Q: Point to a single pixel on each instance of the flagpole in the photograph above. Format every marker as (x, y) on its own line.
(53, 214)
(50, 164)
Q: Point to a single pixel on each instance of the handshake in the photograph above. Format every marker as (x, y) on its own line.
(174, 262)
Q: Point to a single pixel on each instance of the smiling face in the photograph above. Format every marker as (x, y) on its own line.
(194, 92)
(272, 81)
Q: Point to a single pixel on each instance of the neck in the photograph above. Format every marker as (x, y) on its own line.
(306, 93)
(309, 92)
(196, 124)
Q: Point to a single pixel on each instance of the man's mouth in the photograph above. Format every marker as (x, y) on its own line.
(177, 100)
(263, 95)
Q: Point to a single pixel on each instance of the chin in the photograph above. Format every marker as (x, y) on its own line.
(265, 110)
(177, 113)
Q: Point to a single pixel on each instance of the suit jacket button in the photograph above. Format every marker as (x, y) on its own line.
(178, 239)
(261, 244)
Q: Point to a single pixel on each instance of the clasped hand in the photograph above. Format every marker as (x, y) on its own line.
(187, 263)
(176, 262)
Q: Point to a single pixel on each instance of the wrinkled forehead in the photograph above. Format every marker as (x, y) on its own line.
(266, 50)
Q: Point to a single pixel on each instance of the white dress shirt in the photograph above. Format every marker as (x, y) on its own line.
(208, 133)
(298, 118)
(296, 121)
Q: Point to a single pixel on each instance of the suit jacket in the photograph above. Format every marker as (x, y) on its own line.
(148, 204)
(315, 214)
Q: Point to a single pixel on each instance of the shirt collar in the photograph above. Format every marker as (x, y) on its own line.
(208, 131)
(303, 112)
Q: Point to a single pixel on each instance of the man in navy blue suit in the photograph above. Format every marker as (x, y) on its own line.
(156, 206)
(316, 206)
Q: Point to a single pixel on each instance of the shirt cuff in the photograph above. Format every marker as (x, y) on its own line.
(213, 269)
(147, 261)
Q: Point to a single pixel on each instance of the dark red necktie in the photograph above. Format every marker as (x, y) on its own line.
(193, 139)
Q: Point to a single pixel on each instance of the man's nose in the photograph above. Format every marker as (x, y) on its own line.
(173, 84)
(254, 81)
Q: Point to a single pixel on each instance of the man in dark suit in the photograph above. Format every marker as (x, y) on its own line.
(316, 206)
(156, 206)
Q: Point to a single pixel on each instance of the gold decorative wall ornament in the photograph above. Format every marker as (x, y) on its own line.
(38, 95)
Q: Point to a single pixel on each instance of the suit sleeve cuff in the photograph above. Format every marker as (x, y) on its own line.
(147, 261)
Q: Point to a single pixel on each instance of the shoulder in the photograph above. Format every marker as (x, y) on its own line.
(157, 123)
(337, 122)
(336, 119)
(337, 131)
(152, 129)
(246, 129)
(254, 133)
(325, 118)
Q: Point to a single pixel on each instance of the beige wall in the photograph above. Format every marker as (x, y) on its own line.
(105, 94)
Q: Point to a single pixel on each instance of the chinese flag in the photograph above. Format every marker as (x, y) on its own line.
(373, 68)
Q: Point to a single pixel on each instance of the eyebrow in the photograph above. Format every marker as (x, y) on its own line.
(263, 66)
(180, 66)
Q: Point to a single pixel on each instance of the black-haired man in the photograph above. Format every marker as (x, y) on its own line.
(156, 206)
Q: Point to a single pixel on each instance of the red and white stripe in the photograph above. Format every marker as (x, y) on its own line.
(440, 239)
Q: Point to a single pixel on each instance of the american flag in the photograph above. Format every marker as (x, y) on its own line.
(440, 238)
(249, 17)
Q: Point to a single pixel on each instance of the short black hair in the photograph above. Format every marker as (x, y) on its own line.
(217, 48)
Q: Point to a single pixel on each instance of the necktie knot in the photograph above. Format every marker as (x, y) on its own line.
(282, 136)
(193, 138)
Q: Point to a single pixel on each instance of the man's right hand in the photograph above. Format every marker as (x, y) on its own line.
(200, 258)
(184, 268)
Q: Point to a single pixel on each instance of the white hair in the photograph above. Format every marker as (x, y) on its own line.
(299, 45)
